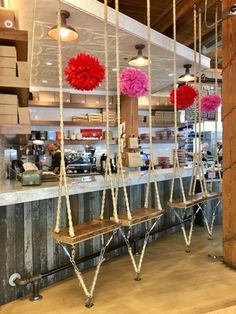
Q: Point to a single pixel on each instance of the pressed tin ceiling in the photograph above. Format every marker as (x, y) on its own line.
(87, 19)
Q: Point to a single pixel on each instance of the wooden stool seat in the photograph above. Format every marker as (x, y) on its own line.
(139, 215)
(194, 200)
(86, 231)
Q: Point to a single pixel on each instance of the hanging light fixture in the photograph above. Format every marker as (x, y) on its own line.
(67, 33)
(187, 76)
(139, 60)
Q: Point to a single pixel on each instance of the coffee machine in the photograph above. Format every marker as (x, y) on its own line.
(81, 162)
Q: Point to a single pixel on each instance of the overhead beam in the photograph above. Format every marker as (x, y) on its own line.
(184, 9)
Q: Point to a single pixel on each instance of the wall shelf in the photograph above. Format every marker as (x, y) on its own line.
(157, 107)
(15, 38)
(79, 142)
(160, 125)
(48, 104)
(69, 123)
(8, 129)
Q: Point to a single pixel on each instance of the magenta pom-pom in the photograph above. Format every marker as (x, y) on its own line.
(133, 82)
(210, 103)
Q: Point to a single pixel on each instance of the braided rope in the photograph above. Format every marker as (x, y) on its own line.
(216, 159)
(63, 179)
(176, 160)
(191, 191)
(108, 166)
(119, 164)
(201, 169)
(151, 169)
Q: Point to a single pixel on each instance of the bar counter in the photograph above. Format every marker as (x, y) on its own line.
(28, 214)
(11, 192)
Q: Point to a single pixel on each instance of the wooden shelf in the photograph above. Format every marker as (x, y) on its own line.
(157, 107)
(16, 38)
(13, 83)
(37, 103)
(70, 123)
(156, 141)
(160, 125)
(15, 129)
(78, 142)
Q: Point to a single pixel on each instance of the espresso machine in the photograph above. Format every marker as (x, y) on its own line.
(81, 162)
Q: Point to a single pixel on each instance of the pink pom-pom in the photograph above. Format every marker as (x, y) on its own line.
(133, 82)
(210, 103)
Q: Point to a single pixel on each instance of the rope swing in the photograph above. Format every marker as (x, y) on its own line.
(97, 227)
(180, 206)
(137, 216)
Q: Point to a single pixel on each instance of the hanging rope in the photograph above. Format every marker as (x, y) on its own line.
(151, 170)
(216, 159)
(202, 174)
(176, 160)
(108, 172)
(119, 163)
(63, 179)
(195, 154)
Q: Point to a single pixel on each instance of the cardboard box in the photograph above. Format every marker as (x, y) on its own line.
(8, 119)
(78, 98)
(8, 72)
(8, 62)
(155, 101)
(143, 101)
(168, 116)
(7, 18)
(132, 142)
(159, 115)
(24, 115)
(46, 96)
(8, 109)
(35, 96)
(23, 69)
(92, 99)
(133, 160)
(66, 97)
(164, 100)
(8, 99)
(8, 51)
(102, 100)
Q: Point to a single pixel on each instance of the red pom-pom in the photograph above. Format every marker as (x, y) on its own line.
(84, 72)
(185, 96)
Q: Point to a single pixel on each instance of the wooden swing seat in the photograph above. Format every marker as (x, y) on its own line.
(139, 215)
(86, 231)
(194, 200)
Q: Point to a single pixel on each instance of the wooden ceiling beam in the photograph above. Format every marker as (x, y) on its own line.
(183, 11)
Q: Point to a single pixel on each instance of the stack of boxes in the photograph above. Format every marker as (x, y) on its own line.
(8, 109)
(8, 61)
(111, 116)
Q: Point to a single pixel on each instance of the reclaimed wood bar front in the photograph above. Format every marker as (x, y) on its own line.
(27, 218)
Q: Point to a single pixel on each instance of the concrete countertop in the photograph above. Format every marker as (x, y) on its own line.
(12, 192)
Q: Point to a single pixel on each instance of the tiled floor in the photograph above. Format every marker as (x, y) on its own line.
(172, 282)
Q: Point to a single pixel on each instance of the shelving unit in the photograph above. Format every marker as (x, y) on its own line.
(8, 129)
(79, 142)
(17, 85)
(37, 103)
(157, 107)
(69, 123)
(161, 125)
(15, 38)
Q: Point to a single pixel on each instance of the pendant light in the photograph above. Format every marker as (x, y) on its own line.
(67, 32)
(187, 76)
(139, 60)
